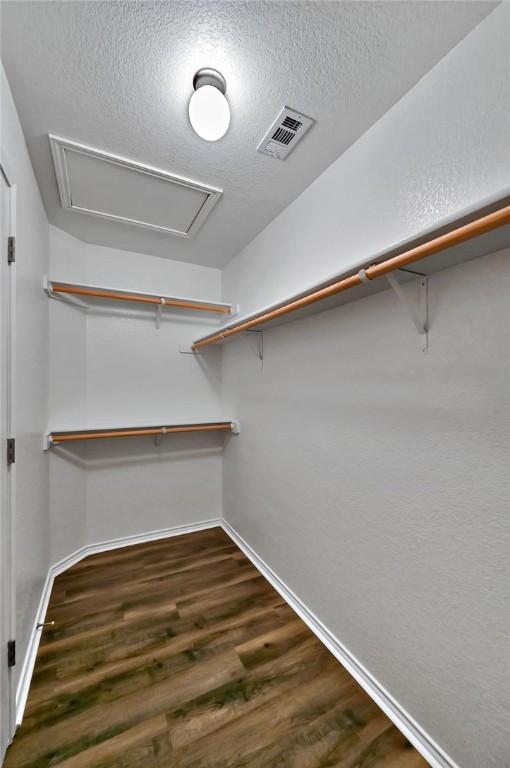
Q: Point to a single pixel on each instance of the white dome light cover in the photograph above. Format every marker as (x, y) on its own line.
(209, 111)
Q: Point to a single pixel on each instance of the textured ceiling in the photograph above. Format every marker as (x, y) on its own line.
(117, 76)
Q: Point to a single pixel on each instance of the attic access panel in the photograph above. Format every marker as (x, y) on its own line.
(101, 184)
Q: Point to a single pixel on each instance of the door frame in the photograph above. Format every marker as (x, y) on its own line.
(8, 473)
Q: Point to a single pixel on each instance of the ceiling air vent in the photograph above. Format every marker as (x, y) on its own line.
(283, 135)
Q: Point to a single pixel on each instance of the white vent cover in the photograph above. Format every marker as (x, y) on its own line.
(101, 184)
(283, 135)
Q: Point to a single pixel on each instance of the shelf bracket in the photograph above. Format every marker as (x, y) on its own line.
(185, 349)
(48, 287)
(418, 310)
(260, 345)
(158, 438)
(159, 312)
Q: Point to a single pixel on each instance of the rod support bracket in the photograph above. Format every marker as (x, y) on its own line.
(159, 312)
(186, 349)
(418, 310)
(48, 289)
(235, 427)
(260, 344)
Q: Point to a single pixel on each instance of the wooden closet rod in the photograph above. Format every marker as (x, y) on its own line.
(466, 232)
(168, 301)
(55, 438)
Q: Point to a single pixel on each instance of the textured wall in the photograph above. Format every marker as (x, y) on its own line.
(444, 146)
(111, 367)
(67, 399)
(372, 478)
(31, 511)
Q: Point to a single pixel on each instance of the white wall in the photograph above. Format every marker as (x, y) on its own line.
(31, 395)
(372, 478)
(67, 401)
(112, 367)
(441, 148)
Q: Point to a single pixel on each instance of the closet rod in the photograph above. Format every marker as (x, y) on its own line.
(55, 438)
(461, 234)
(142, 298)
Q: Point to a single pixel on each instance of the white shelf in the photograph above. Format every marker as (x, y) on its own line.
(481, 245)
(58, 437)
(57, 289)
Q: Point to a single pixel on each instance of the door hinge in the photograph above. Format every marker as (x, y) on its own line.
(11, 250)
(11, 450)
(11, 653)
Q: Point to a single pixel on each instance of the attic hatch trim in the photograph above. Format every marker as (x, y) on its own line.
(59, 145)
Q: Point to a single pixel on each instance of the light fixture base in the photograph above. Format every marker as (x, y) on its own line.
(209, 76)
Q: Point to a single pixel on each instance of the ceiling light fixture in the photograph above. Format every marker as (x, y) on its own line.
(209, 112)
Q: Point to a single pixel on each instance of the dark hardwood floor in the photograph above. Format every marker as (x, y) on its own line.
(178, 653)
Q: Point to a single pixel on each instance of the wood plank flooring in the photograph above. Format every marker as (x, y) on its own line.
(179, 654)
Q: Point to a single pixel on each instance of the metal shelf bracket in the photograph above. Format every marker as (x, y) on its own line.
(260, 345)
(158, 438)
(185, 349)
(417, 310)
(48, 287)
(159, 312)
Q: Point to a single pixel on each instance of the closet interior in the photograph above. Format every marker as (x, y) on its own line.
(255, 374)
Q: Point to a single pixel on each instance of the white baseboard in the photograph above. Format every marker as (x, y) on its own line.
(61, 566)
(425, 745)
